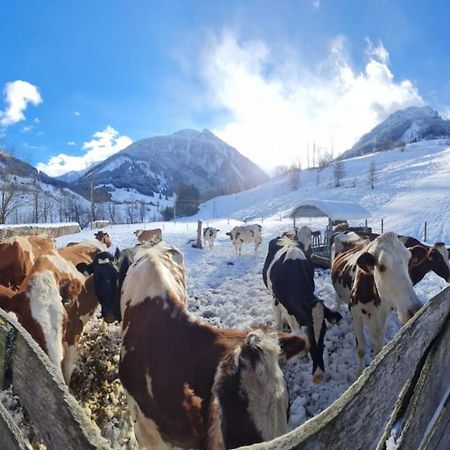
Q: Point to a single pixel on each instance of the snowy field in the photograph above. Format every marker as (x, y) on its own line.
(227, 291)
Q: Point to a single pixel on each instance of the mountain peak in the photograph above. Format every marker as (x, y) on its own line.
(411, 124)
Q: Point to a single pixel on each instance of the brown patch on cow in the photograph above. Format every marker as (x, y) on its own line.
(17, 256)
(364, 290)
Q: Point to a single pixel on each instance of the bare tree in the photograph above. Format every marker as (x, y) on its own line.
(46, 207)
(142, 211)
(9, 197)
(36, 194)
(372, 173)
(112, 211)
(338, 172)
(93, 203)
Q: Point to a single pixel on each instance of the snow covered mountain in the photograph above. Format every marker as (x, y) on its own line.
(402, 127)
(157, 164)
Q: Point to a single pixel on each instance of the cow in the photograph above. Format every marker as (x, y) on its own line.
(372, 278)
(289, 274)
(103, 237)
(17, 256)
(209, 236)
(104, 270)
(189, 384)
(53, 303)
(437, 259)
(245, 233)
(149, 235)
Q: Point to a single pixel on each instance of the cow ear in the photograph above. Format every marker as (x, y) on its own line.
(366, 262)
(228, 234)
(117, 253)
(85, 269)
(291, 344)
(418, 254)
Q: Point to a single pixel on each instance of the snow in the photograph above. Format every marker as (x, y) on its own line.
(227, 291)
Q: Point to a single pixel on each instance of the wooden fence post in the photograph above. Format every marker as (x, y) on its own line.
(199, 234)
(425, 232)
(382, 225)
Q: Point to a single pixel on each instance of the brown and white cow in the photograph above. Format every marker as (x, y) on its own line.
(372, 278)
(149, 235)
(189, 384)
(103, 237)
(54, 303)
(437, 255)
(17, 256)
(245, 233)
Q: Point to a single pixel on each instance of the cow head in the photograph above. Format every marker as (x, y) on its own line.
(304, 235)
(387, 260)
(105, 272)
(438, 256)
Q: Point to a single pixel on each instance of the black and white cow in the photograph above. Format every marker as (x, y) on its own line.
(105, 272)
(245, 233)
(289, 273)
(209, 236)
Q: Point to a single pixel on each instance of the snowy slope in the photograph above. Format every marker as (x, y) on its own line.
(412, 187)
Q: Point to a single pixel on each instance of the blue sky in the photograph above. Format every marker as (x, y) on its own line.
(269, 77)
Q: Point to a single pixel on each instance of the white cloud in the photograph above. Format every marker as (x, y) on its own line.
(279, 103)
(71, 143)
(104, 144)
(26, 128)
(316, 4)
(18, 95)
(77, 113)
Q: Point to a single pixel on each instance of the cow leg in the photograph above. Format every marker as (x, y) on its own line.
(360, 341)
(278, 316)
(68, 365)
(375, 320)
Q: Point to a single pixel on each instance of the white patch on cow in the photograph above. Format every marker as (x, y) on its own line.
(304, 235)
(152, 276)
(317, 313)
(103, 261)
(444, 253)
(145, 429)
(48, 310)
(294, 253)
(265, 387)
(70, 359)
(394, 284)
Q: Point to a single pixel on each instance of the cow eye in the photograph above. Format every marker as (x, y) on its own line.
(382, 267)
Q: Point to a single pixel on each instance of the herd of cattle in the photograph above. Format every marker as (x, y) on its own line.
(190, 384)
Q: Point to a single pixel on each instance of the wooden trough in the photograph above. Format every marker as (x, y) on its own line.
(408, 380)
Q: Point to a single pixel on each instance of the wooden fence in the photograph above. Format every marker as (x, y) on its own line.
(50, 407)
(50, 230)
(409, 380)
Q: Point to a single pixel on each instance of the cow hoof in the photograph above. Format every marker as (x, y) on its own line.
(318, 377)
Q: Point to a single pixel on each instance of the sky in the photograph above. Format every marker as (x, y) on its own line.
(81, 80)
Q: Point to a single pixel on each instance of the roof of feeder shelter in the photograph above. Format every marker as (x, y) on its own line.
(332, 209)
